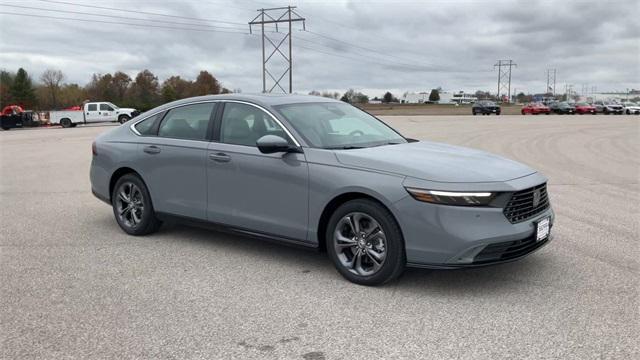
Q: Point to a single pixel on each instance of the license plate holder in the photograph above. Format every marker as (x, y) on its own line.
(543, 229)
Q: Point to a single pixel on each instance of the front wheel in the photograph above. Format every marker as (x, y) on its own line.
(132, 206)
(123, 119)
(365, 243)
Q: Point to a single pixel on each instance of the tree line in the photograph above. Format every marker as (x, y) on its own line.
(143, 92)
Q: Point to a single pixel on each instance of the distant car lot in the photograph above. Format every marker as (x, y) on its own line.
(74, 285)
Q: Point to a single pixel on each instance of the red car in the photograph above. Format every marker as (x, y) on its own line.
(584, 108)
(535, 109)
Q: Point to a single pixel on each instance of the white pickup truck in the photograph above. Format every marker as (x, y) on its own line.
(92, 112)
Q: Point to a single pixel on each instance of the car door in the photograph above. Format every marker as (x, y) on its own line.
(91, 113)
(173, 160)
(266, 193)
(106, 112)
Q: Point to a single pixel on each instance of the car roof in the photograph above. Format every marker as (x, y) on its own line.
(266, 100)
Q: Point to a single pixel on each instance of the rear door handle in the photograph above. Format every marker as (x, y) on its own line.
(151, 149)
(219, 157)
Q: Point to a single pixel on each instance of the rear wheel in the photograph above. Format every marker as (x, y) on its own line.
(132, 206)
(628, 112)
(523, 112)
(66, 123)
(365, 243)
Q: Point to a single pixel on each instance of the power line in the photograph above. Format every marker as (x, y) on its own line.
(141, 12)
(122, 23)
(502, 73)
(119, 17)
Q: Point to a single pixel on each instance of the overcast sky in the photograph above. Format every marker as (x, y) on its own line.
(385, 45)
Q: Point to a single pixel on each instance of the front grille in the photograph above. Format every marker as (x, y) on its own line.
(522, 204)
(508, 250)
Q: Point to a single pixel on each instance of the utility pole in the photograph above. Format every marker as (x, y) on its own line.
(504, 70)
(551, 81)
(276, 16)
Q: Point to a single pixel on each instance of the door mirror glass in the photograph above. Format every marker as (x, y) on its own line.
(270, 144)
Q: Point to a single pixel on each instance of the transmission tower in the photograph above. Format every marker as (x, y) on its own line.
(504, 71)
(551, 81)
(276, 16)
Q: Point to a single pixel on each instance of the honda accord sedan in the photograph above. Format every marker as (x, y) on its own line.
(322, 174)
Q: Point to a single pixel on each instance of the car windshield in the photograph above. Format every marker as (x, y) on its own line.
(488, 103)
(333, 125)
(582, 104)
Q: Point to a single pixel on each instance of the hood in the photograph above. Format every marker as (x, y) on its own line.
(435, 162)
(126, 110)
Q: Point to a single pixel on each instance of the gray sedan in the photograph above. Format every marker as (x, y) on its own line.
(320, 173)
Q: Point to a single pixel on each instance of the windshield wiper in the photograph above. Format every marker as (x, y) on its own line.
(345, 147)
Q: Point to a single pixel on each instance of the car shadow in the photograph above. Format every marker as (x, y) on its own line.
(492, 280)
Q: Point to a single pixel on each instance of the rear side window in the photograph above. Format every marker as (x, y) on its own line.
(92, 107)
(187, 122)
(145, 127)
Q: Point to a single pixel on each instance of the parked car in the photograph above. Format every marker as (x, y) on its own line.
(485, 107)
(608, 107)
(585, 108)
(631, 108)
(320, 173)
(535, 109)
(92, 112)
(563, 107)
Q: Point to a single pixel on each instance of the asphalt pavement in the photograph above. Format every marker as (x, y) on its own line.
(73, 285)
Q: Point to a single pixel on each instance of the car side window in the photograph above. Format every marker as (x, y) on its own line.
(187, 122)
(145, 127)
(244, 124)
(105, 107)
(92, 107)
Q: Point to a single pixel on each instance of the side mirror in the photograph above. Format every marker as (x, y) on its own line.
(270, 144)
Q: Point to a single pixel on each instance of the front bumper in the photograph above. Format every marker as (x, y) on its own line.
(442, 236)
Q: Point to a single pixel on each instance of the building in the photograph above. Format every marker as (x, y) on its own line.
(461, 98)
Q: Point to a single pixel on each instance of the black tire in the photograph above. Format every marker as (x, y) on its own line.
(628, 112)
(605, 111)
(6, 128)
(66, 123)
(123, 119)
(522, 112)
(498, 113)
(474, 112)
(148, 222)
(394, 261)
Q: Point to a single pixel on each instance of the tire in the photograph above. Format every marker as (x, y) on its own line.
(474, 112)
(66, 123)
(6, 128)
(123, 119)
(522, 112)
(628, 112)
(130, 192)
(605, 111)
(385, 246)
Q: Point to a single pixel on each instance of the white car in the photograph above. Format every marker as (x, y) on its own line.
(92, 112)
(631, 108)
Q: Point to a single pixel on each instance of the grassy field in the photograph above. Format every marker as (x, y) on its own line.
(429, 109)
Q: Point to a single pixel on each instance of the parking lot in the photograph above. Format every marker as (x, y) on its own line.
(73, 285)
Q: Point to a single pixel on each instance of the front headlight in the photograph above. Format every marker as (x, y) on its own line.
(451, 197)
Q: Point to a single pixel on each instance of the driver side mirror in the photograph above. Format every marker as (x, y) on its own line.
(270, 144)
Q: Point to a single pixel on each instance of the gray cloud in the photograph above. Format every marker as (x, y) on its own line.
(419, 44)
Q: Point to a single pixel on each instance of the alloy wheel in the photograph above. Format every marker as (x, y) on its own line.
(129, 204)
(360, 244)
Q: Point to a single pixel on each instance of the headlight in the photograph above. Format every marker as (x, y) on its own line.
(451, 197)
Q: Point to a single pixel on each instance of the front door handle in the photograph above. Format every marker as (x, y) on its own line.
(219, 157)
(151, 149)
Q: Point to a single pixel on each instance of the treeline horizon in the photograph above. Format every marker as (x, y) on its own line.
(142, 92)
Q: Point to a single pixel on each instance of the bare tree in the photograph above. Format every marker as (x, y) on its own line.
(52, 80)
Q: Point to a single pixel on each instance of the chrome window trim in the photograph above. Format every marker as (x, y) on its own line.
(295, 141)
